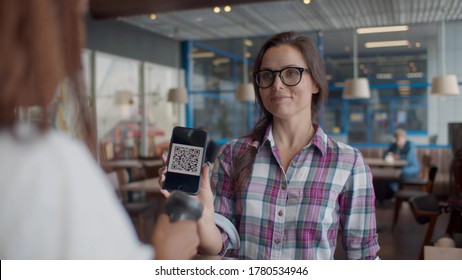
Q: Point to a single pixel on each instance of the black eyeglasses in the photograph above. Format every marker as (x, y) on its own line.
(290, 76)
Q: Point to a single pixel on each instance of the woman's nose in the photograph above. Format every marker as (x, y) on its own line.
(278, 81)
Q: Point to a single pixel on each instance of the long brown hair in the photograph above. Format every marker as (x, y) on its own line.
(242, 163)
(41, 44)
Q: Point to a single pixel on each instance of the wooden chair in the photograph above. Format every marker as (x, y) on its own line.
(424, 187)
(425, 209)
(141, 212)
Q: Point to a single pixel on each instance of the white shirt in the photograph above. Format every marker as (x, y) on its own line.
(56, 203)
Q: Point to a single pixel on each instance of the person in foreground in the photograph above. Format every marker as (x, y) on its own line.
(288, 188)
(404, 149)
(55, 201)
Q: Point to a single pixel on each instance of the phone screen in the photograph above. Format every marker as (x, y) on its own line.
(185, 159)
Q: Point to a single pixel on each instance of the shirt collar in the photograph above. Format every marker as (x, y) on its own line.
(318, 141)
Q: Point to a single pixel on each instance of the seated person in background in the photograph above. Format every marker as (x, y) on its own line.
(55, 201)
(404, 149)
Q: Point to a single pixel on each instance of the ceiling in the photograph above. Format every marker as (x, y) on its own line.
(195, 20)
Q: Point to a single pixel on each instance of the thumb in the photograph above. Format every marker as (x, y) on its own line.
(163, 219)
(205, 184)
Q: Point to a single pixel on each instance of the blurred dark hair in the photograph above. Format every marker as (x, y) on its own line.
(243, 162)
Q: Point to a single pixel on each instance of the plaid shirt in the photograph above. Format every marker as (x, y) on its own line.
(297, 215)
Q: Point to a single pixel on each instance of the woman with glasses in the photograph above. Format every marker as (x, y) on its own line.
(288, 188)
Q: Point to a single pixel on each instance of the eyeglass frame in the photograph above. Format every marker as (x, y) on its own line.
(273, 72)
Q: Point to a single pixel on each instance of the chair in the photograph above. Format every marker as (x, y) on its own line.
(425, 209)
(424, 187)
(455, 197)
(140, 211)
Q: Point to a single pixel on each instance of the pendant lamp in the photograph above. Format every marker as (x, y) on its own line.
(178, 95)
(356, 88)
(245, 91)
(445, 84)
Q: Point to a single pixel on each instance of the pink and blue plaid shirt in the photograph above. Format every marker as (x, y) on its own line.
(298, 214)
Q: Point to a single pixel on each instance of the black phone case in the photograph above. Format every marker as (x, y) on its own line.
(185, 159)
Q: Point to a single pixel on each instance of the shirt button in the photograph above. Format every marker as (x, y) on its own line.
(280, 213)
(277, 241)
(284, 187)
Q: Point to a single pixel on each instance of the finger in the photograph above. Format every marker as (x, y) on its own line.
(165, 193)
(162, 170)
(161, 179)
(162, 219)
(205, 175)
(164, 158)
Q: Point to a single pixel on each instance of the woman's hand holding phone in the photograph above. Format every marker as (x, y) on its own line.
(205, 195)
(210, 237)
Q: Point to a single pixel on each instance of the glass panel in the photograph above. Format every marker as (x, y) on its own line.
(243, 111)
(222, 115)
(357, 118)
(332, 120)
(161, 115)
(411, 115)
(117, 105)
(216, 113)
(380, 122)
(212, 71)
(394, 77)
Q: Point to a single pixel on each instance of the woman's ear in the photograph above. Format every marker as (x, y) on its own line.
(315, 89)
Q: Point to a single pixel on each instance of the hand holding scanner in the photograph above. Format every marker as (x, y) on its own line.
(180, 206)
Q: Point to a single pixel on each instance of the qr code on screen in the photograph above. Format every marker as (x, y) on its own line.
(185, 159)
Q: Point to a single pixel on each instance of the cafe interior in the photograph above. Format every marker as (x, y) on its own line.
(153, 65)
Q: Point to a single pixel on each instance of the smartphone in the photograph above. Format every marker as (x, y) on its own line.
(185, 159)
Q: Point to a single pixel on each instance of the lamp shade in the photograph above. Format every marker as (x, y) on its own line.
(445, 85)
(123, 97)
(356, 88)
(178, 95)
(245, 92)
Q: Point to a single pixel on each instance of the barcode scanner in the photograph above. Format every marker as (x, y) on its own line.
(180, 206)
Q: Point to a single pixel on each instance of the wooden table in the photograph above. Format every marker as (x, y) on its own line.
(131, 163)
(379, 173)
(383, 171)
(150, 185)
(379, 162)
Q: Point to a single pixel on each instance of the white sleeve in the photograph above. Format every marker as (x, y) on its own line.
(56, 203)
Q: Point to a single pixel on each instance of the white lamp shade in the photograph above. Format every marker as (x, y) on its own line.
(178, 95)
(445, 85)
(356, 88)
(245, 92)
(123, 97)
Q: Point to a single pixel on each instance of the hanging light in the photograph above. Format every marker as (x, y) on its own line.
(244, 91)
(356, 88)
(178, 95)
(123, 97)
(445, 84)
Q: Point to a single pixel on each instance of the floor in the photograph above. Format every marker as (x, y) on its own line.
(405, 240)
